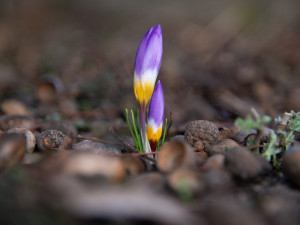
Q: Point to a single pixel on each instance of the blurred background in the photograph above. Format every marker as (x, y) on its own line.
(73, 59)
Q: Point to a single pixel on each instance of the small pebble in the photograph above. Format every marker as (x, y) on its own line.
(155, 180)
(224, 133)
(291, 166)
(32, 158)
(234, 130)
(177, 138)
(134, 165)
(229, 210)
(46, 93)
(30, 138)
(12, 150)
(94, 147)
(218, 180)
(49, 88)
(89, 165)
(201, 133)
(244, 164)
(51, 139)
(221, 147)
(215, 162)
(175, 154)
(201, 157)
(242, 136)
(11, 121)
(186, 180)
(14, 107)
(280, 205)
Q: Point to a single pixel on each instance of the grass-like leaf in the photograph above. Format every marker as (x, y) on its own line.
(130, 129)
(163, 136)
(136, 132)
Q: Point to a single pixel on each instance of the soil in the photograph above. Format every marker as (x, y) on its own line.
(66, 78)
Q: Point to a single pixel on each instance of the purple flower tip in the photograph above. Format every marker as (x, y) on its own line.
(149, 53)
(156, 107)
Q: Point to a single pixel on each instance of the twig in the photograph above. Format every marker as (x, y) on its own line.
(111, 130)
(124, 143)
(259, 130)
(284, 121)
(145, 153)
(170, 124)
(257, 141)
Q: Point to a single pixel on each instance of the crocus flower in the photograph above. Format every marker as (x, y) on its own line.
(155, 116)
(147, 65)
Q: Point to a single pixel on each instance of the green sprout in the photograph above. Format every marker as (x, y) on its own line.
(258, 123)
(270, 150)
(163, 136)
(279, 140)
(249, 123)
(287, 137)
(136, 136)
(295, 121)
(134, 126)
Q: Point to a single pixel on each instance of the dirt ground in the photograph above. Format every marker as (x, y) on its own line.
(66, 69)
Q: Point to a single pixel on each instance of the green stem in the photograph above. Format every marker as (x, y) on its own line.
(163, 136)
(165, 131)
(130, 129)
(143, 126)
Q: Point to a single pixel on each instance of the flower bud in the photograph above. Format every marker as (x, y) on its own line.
(156, 116)
(147, 65)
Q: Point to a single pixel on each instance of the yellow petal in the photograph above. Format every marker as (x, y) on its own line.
(154, 135)
(143, 91)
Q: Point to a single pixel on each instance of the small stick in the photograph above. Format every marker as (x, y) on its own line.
(284, 121)
(128, 145)
(124, 143)
(169, 125)
(145, 153)
(257, 141)
(259, 131)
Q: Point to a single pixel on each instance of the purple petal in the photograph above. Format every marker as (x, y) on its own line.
(149, 53)
(157, 105)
